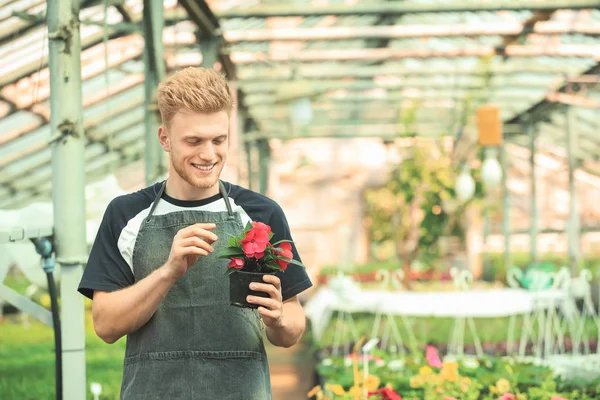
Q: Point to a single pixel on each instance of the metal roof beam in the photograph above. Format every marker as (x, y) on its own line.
(405, 7)
(558, 50)
(444, 82)
(342, 70)
(208, 25)
(390, 131)
(504, 28)
(365, 97)
(543, 103)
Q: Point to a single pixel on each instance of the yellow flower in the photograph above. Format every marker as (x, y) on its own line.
(493, 390)
(503, 385)
(437, 379)
(425, 371)
(372, 383)
(451, 365)
(336, 389)
(466, 381)
(450, 375)
(439, 390)
(416, 381)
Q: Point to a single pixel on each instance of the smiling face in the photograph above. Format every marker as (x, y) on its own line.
(195, 106)
(197, 144)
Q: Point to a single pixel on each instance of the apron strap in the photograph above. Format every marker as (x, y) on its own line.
(156, 200)
(225, 198)
(162, 190)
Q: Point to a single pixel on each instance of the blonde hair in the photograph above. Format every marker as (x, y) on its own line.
(193, 90)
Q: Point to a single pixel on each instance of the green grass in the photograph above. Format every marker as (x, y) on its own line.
(27, 362)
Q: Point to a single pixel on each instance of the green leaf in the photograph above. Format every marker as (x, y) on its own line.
(229, 252)
(281, 241)
(271, 235)
(233, 242)
(248, 226)
(273, 266)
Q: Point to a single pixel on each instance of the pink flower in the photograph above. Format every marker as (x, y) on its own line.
(261, 226)
(236, 263)
(507, 396)
(433, 359)
(255, 242)
(558, 398)
(286, 252)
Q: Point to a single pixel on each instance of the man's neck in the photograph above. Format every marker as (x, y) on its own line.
(181, 190)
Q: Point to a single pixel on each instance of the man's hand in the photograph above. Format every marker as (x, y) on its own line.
(188, 245)
(271, 308)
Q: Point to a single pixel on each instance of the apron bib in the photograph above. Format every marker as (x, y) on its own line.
(196, 345)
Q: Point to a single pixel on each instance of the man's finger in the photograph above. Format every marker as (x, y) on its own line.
(273, 280)
(196, 242)
(267, 288)
(199, 232)
(263, 301)
(266, 313)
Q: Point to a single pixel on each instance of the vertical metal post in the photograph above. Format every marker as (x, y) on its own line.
(534, 226)
(248, 144)
(241, 125)
(68, 184)
(210, 51)
(155, 70)
(505, 206)
(573, 225)
(264, 161)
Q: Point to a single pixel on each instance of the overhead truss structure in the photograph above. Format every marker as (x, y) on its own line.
(364, 67)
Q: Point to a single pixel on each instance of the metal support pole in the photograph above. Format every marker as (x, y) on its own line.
(534, 228)
(210, 51)
(573, 225)
(264, 161)
(248, 145)
(68, 184)
(155, 70)
(505, 206)
(241, 125)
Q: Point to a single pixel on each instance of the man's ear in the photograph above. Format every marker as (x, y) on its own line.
(163, 137)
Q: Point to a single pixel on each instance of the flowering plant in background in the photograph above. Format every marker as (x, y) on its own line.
(252, 251)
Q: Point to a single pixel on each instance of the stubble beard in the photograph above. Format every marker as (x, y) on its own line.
(199, 183)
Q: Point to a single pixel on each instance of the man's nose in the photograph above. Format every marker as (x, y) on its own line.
(208, 152)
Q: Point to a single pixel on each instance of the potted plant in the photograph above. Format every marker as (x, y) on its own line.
(252, 256)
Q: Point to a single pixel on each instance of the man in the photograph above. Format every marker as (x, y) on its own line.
(153, 274)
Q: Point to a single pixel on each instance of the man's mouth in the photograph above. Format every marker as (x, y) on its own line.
(204, 167)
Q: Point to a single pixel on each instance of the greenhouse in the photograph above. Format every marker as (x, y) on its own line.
(437, 164)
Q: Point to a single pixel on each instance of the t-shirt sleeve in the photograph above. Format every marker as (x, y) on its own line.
(106, 268)
(294, 279)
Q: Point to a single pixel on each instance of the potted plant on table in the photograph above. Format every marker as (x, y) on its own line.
(252, 256)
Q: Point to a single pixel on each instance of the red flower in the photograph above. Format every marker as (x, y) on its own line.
(261, 226)
(387, 394)
(255, 242)
(287, 252)
(236, 263)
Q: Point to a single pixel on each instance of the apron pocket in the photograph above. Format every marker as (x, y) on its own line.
(197, 375)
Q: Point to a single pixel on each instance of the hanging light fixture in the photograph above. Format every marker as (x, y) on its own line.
(490, 137)
(491, 170)
(301, 111)
(465, 185)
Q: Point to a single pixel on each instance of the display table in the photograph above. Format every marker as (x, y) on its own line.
(464, 303)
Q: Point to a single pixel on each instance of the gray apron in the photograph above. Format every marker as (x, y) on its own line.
(196, 345)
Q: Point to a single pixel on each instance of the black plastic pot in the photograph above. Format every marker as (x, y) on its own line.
(239, 287)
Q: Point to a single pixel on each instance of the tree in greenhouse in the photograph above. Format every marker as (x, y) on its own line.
(412, 208)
